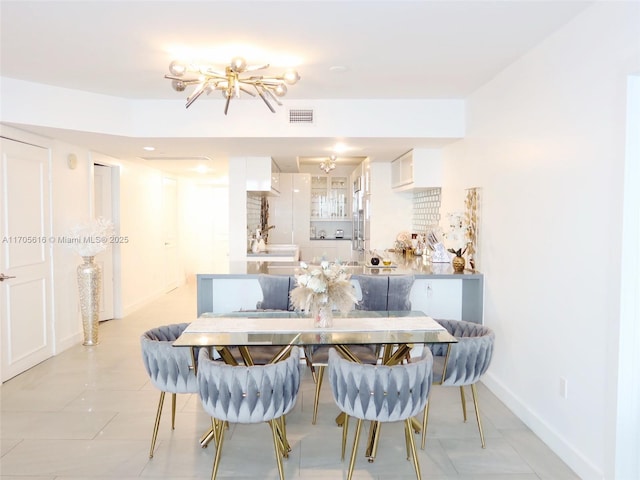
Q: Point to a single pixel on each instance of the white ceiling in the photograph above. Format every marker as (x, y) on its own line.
(390, 49)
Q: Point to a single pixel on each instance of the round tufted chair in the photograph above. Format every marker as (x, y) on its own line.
(380, 393)
(170, 369)
(462, 363)
(249, 394)
(378, 293)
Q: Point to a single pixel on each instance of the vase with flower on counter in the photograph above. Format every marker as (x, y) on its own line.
(458, 262)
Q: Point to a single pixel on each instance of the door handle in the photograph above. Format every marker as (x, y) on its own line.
(4, 277)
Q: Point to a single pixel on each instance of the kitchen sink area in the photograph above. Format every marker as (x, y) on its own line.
(277, 252)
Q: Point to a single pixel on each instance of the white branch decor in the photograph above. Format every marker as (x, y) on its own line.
(328, 286)
(89, 239)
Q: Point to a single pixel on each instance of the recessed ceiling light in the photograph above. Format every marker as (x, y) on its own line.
(149, 149)
(338, 69)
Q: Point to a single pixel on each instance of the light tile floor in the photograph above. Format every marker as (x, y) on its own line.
(88, 413)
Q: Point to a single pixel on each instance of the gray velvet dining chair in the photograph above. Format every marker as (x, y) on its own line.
(380, 393)
(169, 368)
(275, 296)
(462, 363)
(275, 292)
(255, 394)
(379, 293)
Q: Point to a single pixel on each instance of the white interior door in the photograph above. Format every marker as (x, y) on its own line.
(104, 208)
(170, 224)
(25, 257)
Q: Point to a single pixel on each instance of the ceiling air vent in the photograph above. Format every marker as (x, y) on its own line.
(301, 116)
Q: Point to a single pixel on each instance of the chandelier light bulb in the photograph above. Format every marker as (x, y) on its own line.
(178, 85)
(291, 77)
(238, 64)
(177, 68)
(280, 90)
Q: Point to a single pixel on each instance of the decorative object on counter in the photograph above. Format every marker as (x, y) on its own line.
(471, 218)
(237, 77)
(375, 259)
(319, 290)
(458, 263)
(439, 254)
(88, 240)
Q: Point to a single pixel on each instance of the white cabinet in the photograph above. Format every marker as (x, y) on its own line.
(417, 169)
(259, 175)
(289, 212)
(330, 197)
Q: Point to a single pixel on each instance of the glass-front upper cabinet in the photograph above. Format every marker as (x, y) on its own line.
(329, 197)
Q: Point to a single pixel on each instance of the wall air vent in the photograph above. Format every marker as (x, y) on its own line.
(301, 116)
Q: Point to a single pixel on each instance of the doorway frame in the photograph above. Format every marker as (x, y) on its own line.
(114, 164)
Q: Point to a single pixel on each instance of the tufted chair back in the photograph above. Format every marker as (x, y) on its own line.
(241, 394)
(249, 394)
(380, 393)
(169, 368)
(468, 359)
(461, 364)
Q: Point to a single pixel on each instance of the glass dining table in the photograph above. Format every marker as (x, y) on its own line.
(396, 332)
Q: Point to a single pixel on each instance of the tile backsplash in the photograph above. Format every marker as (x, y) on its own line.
(426, 209)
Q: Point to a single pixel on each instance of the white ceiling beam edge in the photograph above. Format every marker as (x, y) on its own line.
(77, 110)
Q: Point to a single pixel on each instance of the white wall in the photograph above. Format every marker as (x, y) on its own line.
(391, 210)
(204, 227)
(545, 143)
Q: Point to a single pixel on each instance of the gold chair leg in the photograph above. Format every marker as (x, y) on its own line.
(412, 443)
(281, 435)
(464, 403)
(156, 425)
(345, 430)
(282, 421)
(354, 452)
(316, 399)
(276, 447)
(474, 392)
(219, 427)
(374, 438)
(406, 440)
(425, 420)
(173, 411)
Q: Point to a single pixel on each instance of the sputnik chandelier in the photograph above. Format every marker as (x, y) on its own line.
(237, 77)
(328, 164)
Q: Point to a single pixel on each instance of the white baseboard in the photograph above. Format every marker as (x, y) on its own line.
(550, 436)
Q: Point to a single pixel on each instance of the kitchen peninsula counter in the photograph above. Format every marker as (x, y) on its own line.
(437, 290)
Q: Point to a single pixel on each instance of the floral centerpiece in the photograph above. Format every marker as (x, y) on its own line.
(321, 289)
(457, 239)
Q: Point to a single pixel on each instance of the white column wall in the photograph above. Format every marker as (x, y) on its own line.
(545, 143)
